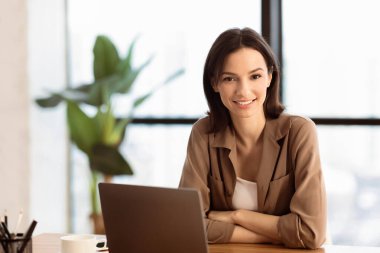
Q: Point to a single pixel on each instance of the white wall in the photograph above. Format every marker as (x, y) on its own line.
(14, 135)
(33, 142)
(48, 147)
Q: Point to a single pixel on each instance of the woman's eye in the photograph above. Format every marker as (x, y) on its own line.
(256, 76)
(228, 79)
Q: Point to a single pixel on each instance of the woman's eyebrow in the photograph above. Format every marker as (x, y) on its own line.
(228, 73)
(250, 72)
(254, 70)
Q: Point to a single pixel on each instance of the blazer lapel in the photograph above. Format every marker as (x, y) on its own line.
(271, 151)
(274, 131)
(226, 139)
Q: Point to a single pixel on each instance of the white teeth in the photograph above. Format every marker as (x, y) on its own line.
(245, 102)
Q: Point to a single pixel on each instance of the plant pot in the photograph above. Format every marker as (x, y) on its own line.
(98, 224)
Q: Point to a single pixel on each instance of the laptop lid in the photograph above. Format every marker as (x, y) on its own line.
(152, 219)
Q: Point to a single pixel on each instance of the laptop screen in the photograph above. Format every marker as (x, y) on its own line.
(152, 219)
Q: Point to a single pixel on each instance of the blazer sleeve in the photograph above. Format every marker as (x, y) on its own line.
(305, 225)
(195, 175)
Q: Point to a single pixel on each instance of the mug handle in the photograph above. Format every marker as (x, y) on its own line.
(101, 245)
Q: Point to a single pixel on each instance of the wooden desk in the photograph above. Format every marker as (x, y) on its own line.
(261, 248)
(50, 243)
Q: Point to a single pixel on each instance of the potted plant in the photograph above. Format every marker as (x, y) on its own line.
(100, 134)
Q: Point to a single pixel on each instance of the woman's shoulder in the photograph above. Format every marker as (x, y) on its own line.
(295, 121)
(202, 125)
(200, 130)
(299, 127)
(289, 123)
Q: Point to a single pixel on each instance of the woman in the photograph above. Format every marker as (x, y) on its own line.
(257, 169)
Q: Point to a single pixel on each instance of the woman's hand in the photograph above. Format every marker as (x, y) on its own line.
(240, 234)
(223, 216)
(263, 224)
(263, 227)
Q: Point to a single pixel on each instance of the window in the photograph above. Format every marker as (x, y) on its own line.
(331, 70)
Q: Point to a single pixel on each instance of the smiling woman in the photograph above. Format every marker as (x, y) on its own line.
(248, 151)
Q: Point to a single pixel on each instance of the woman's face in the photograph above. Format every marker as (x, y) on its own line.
(243, 83)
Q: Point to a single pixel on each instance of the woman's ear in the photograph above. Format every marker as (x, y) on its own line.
(215, 86)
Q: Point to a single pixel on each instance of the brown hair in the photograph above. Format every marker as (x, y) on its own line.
(227, 43)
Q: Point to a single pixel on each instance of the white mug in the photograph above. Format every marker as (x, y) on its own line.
(81, 244)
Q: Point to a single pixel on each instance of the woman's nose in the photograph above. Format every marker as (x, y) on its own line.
(243, 88)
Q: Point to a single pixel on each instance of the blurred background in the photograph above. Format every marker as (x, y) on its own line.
(330, 62)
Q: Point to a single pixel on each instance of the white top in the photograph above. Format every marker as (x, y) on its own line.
(245, 195)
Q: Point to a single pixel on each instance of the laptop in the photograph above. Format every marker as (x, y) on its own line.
(142, 219)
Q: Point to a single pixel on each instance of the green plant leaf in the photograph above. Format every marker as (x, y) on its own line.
(101, 91)
(83, 131)
(124, 85)
(106, 57)
(108, 160)
(86, 88)
(118, 132)
(125, 65)
(139, 101)
(106, 123)
(75, 95)
(173, 76)
(49, 102)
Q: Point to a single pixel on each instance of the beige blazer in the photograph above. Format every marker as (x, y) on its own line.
(289, 182)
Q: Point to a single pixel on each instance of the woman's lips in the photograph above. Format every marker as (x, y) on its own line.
(244, 102)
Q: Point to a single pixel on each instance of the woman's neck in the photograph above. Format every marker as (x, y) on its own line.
(248, 130)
